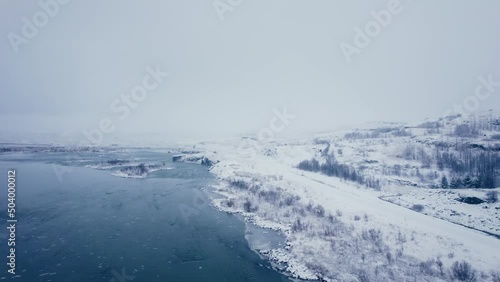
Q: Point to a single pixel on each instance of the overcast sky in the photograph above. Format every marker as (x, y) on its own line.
(228, 75)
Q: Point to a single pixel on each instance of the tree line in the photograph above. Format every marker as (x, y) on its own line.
(333, 168)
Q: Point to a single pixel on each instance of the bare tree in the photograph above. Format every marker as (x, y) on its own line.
(463, 271)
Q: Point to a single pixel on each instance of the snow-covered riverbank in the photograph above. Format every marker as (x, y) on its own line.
(338, 230)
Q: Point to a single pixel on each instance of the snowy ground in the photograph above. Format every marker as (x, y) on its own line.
(339, 231)
(444, 204)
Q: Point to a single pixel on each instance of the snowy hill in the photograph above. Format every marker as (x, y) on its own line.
(404, 228)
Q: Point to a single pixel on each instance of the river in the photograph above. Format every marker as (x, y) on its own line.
(77, 223)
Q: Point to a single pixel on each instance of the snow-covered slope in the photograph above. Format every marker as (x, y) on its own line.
(338, 230)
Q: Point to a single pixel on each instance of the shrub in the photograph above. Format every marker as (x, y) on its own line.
(331, 218)
(249, 207)
(399, 253)
(299, 226)
(389, 257)
(330, 231)
(239, 184)
(463, 271)
(400, 237)
(270, 196)
(375, 237)
(319, 211)
(417, 207)
(357, 217)
(229, 203)
(290, 200)
(299, 210)
(439, 264)
(491, 197)
(142, 168)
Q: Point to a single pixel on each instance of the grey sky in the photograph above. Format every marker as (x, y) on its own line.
(227, 76)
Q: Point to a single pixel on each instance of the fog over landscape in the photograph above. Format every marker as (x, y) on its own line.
(230, 68)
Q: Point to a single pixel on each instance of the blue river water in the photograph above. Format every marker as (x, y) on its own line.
(81, 224)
